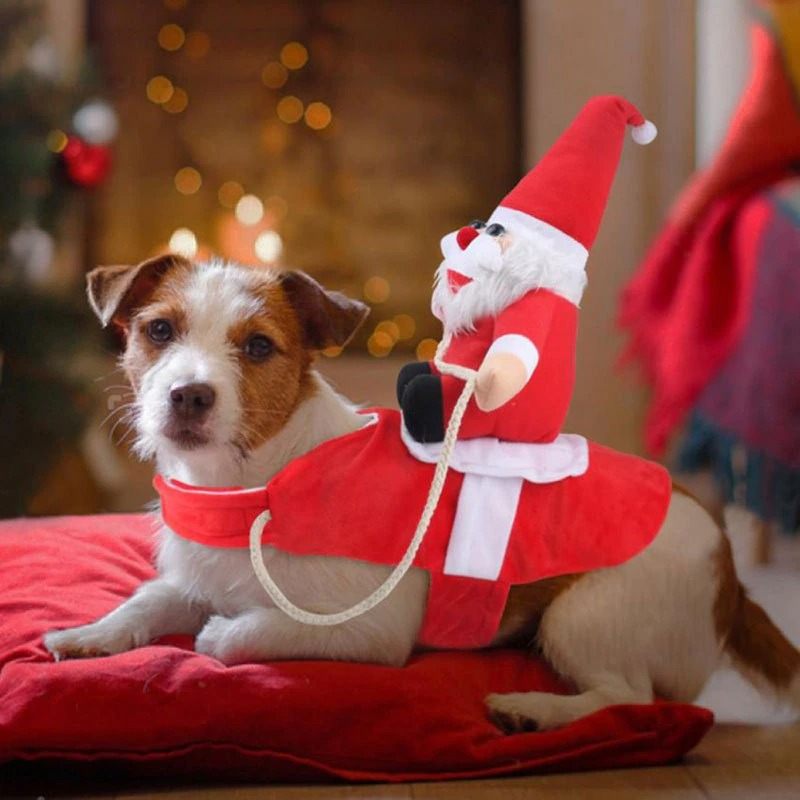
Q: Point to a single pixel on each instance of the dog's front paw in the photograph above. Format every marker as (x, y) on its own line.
(218, 639)
(87, 641)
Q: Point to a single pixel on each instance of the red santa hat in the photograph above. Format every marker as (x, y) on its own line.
(563, 197)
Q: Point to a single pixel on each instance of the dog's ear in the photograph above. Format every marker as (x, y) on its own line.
(116, 292)
(328, 319)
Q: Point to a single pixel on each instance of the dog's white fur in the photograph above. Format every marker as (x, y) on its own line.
(619, 634)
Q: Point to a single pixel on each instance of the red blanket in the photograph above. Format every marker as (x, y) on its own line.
(166, 711)
(361, 495)
(690, 300)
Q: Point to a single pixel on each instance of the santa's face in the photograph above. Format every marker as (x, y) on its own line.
(471, 254)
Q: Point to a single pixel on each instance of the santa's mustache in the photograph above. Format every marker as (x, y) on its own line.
(482, 253)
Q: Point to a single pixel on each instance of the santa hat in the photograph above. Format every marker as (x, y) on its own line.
(563, 197)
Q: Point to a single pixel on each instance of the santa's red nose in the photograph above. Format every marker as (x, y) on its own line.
(465, 236)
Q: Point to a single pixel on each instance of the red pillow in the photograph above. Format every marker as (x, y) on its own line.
(164, 710)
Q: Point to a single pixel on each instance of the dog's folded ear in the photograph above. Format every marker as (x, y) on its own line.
(116, 292)
(328, 319)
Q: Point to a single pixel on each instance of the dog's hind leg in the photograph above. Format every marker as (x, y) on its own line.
(529, 711)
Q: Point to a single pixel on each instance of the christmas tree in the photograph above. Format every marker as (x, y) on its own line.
(43, 322)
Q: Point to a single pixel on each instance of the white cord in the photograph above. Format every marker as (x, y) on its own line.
(399, 572)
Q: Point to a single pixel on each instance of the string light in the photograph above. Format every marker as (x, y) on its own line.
(171, 36)
(377, 289)
(290, 109)
(229, 194)
(406, 326)
(188, 180)
(294, 55)
(390, 329)
(380, 344)
(56, 141)
(198, 43)
(318, 116)
(183, 242)
(268, 246)
(426, 349)
(178, 101)
(249, 210)
(159, 89)
(274, 75)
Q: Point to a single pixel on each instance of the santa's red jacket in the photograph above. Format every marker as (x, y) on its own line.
(541, 329)
(360, 496)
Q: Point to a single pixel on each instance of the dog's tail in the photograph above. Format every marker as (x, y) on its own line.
(759, 651)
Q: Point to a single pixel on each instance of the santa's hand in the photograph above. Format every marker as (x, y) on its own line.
(500, 378)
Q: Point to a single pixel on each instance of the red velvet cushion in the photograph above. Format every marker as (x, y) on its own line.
(165, 710)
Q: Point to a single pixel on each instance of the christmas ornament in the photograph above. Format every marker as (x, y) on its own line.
(42, 59)
(508, 290)
(96, 122)
(32, 249)
(86, 164)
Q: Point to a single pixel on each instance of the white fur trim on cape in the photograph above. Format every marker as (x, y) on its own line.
(565, 457)
(531, 262)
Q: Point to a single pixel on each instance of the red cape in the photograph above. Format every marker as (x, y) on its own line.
(360, 496)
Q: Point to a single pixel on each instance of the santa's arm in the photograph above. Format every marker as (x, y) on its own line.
(521, 331)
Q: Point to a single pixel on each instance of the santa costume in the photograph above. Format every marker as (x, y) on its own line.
(515, 500)
(512, 285)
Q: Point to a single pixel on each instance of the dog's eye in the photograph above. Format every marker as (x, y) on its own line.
(478, 224)
(258, 347)
(160, 331)
(495, 229)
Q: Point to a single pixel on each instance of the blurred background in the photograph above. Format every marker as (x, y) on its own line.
(342, 137)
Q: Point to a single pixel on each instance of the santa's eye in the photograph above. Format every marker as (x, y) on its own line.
(495, 229)
(478, 224)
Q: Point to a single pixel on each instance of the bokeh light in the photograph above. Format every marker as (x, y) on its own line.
(56, 141)
(198, 43)
(159, 89)
(406, 326)
(290, 109)
(274, 75)
(332, 352)
(171, 36)
(249, 209)
(318, 116)
(229, 193)
(426, 349)
(178, 101)
(188, 180)
(294, 55)
(268, 247)
(183, 242)
(380, 344)
(377, 289)
(389, 328)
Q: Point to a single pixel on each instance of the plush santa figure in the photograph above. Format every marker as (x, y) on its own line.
(508, 289)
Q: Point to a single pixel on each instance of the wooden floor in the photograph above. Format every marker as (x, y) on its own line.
(735, 762)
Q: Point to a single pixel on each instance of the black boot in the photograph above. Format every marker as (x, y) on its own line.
(423, 408)
(407, 374)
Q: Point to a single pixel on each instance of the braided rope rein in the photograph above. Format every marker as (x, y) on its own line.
(298, 614)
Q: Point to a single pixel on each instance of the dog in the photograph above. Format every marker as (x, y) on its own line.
(220, 360)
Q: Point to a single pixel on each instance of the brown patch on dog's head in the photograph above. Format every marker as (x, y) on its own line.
(116, 292)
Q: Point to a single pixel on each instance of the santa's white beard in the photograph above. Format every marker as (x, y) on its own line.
(529, 263)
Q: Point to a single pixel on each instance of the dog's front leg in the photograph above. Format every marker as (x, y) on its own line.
(157, 608)
(267, 634)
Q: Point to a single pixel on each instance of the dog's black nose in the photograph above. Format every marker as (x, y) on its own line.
(193, 400)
